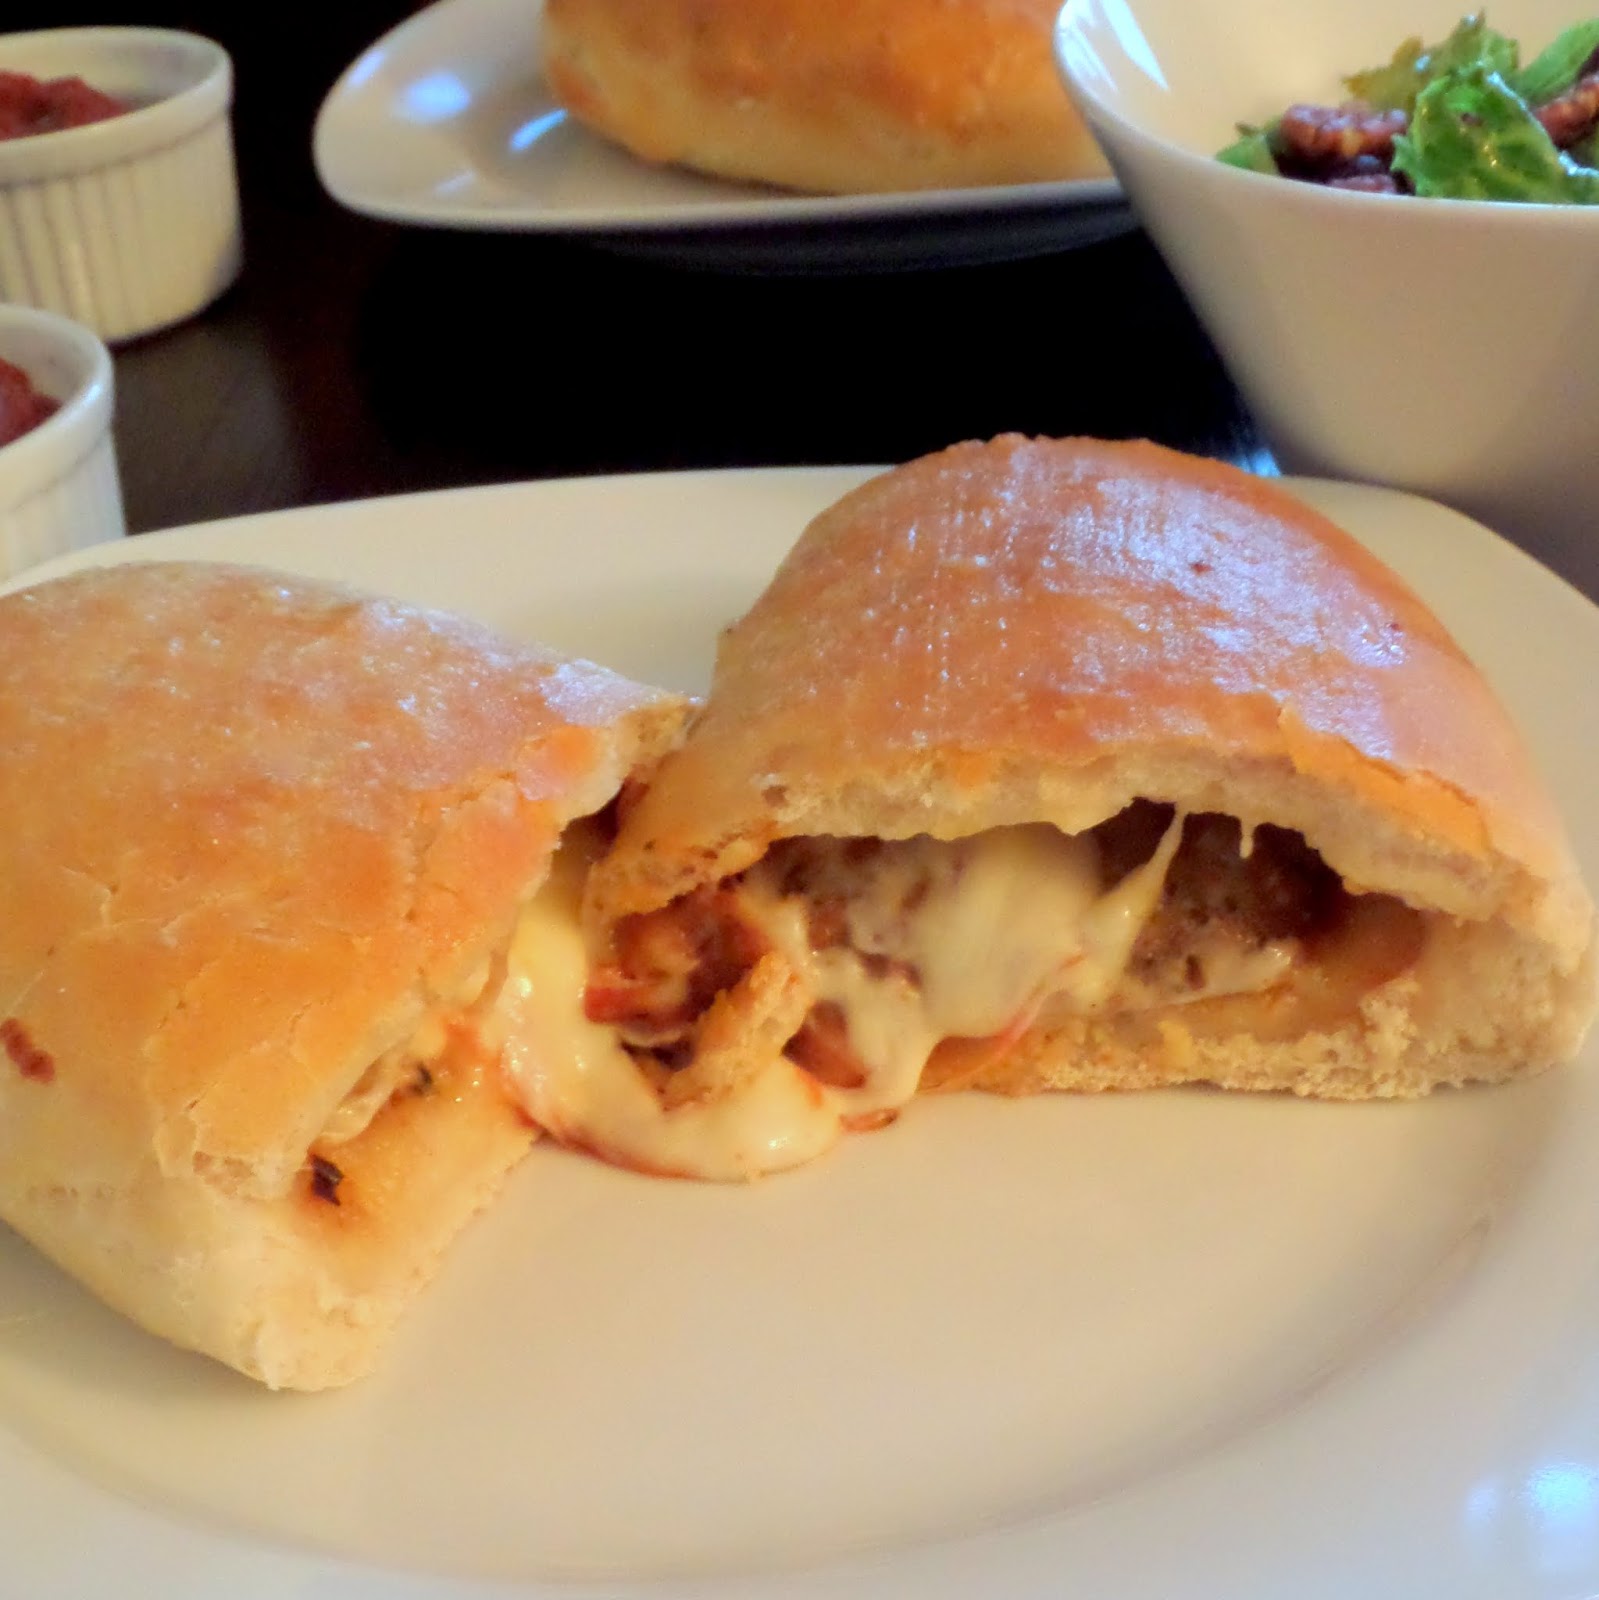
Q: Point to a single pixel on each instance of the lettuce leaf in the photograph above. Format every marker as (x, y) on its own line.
(1414, 66)
(1585, 152)
(1251, 150)
(1472, 137)
(1558, 66)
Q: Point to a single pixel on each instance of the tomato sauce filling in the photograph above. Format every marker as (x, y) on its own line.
(30, 106)
(22, 406)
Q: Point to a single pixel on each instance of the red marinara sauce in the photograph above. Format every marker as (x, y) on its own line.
(30, 105)
(22, 407)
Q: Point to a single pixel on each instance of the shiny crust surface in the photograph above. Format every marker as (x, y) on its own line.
(827, 95)
(1073, 608)
(253, 824)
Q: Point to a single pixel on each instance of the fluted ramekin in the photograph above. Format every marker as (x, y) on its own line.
(58, 484)
(130, 224)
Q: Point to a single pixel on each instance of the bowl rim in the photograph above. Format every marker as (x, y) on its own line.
(1400, 209)
(69, 152)
(46, 453)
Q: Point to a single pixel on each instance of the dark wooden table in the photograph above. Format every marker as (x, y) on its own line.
(356, 358)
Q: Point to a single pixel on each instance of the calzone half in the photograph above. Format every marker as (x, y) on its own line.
(1067, 765)
(265, 848)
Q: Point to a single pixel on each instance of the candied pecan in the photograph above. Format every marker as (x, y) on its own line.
(1573, 115)
(1370, 174)
(1313, 138)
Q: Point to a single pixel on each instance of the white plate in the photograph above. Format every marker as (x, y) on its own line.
(1132, 1346)
(447, 121)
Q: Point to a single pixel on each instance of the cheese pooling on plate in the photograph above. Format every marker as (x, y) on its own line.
(742, 1028)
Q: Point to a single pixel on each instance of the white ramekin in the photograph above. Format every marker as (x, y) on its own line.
(130, 224)
(58, 484)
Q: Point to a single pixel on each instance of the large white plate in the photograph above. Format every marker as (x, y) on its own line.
(1129, 1346)
(447, 121)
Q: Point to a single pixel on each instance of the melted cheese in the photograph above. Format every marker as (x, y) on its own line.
(396, 1069)
(575, 1080)
(958, 940)
(379, 1084)
(991, 925)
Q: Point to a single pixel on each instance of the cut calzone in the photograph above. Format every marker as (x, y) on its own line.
(267, 844)
(1065, 765)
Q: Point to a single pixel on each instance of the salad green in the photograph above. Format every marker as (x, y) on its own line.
(1461, 119)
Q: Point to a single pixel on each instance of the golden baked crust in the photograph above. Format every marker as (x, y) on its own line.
(1037, 630)
(953, 637)
(835, 96)
(257, 830)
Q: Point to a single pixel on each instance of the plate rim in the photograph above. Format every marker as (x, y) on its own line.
(775, 212)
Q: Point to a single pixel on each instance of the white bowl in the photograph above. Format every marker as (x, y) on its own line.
(130, 224)
(1447, 347)
(58, 484)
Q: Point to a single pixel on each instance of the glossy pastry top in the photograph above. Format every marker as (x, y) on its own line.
(1002, 606)
(843, 96)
